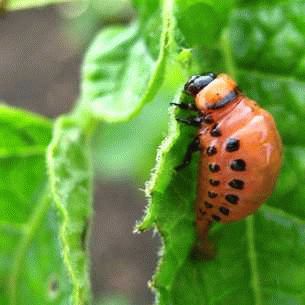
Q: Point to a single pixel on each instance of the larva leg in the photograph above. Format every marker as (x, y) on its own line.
(193, 147)
(185, 106)
(192, 121)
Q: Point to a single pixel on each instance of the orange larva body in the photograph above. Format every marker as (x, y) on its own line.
(240, 155)
(241, 191)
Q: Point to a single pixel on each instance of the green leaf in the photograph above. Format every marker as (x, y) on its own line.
(201, 21)
(70, 179)
(270, 65)
(119, 76)
(25, 4)
(116, 146)
(260, 260)
(150, 20)
(31, 269)
(113, 79)
(146, 8)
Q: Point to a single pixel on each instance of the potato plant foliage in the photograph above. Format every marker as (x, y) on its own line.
(46, 167)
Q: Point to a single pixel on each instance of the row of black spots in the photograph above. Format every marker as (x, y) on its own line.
(213, 167)
(237, 164)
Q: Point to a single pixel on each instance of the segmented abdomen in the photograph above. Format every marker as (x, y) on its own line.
(239, 164)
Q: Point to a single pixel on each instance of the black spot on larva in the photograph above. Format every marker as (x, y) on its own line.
(208, 205)
(232, 198)
(211, 150)
(212, 194)
(213, 167)
(238, 165)
(214, 182)
(224, 210)
(202, 212)
(215, 132)
(237, 184)
(232, 145)
(216, 217)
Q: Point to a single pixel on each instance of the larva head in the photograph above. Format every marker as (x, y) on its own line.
(197, 82)
(211, 92)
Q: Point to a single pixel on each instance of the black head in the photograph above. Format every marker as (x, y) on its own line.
(198, 82)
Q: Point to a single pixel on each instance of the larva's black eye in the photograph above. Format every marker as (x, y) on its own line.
(198, 82)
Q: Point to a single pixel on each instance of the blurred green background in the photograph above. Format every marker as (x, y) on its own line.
(41, 51)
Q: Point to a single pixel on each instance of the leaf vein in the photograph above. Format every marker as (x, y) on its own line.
(22, 246)
(254, 276)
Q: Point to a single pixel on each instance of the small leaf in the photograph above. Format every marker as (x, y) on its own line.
(150, 20)
(119, 76)
(31, 269)
(70, 179)
(115, 74)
